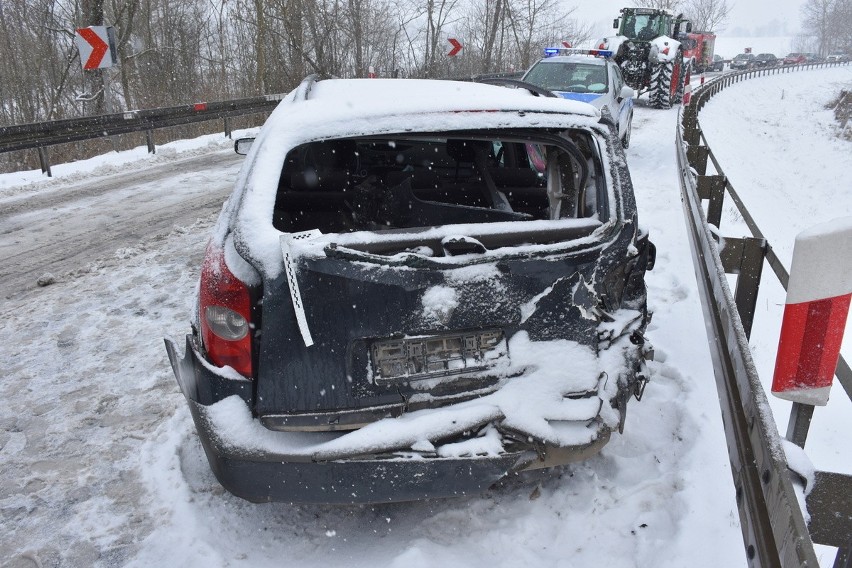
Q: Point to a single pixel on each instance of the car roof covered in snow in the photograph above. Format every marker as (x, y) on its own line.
(383, 97)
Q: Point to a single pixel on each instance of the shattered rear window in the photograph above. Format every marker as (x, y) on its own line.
(409, 181)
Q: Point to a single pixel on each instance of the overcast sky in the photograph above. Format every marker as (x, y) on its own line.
(747, 16)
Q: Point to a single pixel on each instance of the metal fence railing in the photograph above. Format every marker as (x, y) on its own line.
(775, 532)
(41, 135)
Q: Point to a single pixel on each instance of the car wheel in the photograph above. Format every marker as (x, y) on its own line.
(625, 138)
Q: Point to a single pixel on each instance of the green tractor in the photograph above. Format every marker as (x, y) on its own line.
(649, 51)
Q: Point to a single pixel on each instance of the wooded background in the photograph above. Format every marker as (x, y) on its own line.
(173, 52)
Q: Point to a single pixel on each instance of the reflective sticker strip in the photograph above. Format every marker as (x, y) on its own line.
(287, 241)
(811, 334)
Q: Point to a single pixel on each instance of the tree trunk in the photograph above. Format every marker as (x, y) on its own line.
(95, 95)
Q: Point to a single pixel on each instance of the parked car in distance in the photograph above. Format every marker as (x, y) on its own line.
(765, 60)
(718, 63)
(795, 59)
(417, 288)
(814, 58)
(742, 61)
(837, 57)
(590, 76)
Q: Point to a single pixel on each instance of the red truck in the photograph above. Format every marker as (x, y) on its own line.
(698, 51)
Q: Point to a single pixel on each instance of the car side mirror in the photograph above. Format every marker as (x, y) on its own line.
(243, 145)
(615, 23)
(626, 93)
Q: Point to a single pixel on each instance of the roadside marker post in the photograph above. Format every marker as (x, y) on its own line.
(97, 47)
(687, 91)
(815, 312)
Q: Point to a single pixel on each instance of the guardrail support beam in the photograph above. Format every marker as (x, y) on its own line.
(45, 163)
(829, 503)
(149, 138)
(799, 423)
(697, 157)
(713, 189)
(691, 130)
(744, 257)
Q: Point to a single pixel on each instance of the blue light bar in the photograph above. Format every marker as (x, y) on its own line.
(551, 51)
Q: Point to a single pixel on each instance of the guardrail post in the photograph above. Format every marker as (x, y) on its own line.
(712, 188)
(45, 163)
(697, 157)
(227, 121)
(799, 423)
(744, 257)
(829, 502)
(149, 138)
(691, 132)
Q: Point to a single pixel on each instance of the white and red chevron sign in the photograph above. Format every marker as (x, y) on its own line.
(97, 47)
(818, 296)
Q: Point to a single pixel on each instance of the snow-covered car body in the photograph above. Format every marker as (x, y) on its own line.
(795, 59)
(589, 76)
(743, 61)
(415, 289)
(765, 60)
(837, 57)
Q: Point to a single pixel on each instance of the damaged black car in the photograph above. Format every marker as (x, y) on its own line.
(416, 289)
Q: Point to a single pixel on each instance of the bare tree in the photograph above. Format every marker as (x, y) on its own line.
(709, 15)
(817, 21)
(840, 29)
(671, 5)
(538, 23)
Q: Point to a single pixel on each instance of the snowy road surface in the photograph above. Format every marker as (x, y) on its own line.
(61, 230)
(100, 466)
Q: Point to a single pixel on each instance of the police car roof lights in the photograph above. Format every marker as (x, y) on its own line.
(553, 51)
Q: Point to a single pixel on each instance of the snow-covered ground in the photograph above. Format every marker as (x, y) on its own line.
(784, 158)
(99, 463)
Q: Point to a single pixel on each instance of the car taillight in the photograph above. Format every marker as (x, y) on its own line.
(225, 314)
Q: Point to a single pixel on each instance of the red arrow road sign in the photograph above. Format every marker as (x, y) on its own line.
(457, 46)
(94, 49)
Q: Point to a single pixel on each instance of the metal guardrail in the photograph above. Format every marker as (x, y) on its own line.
(774, 530)
(40, 135)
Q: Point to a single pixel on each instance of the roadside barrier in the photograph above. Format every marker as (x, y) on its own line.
(775, 532)
(41, 135)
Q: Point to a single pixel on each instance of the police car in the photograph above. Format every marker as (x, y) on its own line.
(587, 75)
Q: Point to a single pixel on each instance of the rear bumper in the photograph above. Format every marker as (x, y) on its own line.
(260, 475)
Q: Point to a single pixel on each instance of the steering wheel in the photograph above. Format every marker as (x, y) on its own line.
(578, 88)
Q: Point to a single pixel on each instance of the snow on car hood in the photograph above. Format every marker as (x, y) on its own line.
(373, 107)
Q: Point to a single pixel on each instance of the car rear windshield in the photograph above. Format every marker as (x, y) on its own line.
(407, 181)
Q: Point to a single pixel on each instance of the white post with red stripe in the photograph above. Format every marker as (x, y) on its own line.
(818, 295)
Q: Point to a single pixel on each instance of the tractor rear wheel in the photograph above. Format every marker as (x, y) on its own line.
(667, 83)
